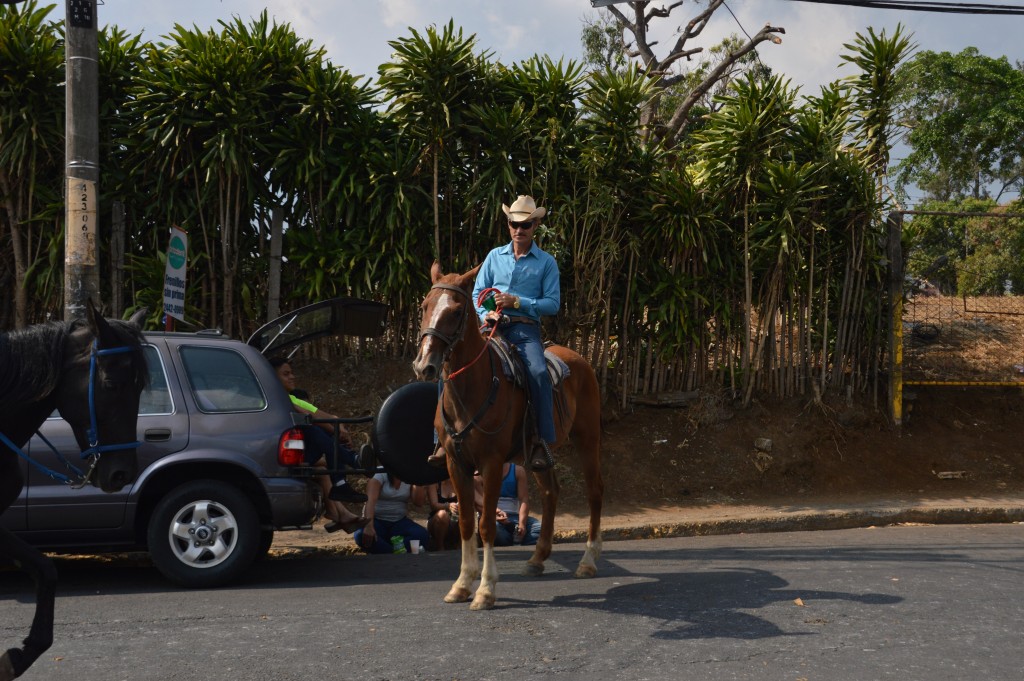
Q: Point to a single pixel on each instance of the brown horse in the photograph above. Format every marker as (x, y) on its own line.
(485, 416)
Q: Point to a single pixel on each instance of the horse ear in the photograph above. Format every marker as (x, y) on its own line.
(435, 272)
(138, 319)
(96, 321)
(469, 277)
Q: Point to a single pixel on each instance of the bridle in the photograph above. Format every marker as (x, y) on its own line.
(95, 449)
(449, 341)
(458, 436)
(92, 434)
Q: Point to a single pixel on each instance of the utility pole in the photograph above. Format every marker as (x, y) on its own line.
(81, 153)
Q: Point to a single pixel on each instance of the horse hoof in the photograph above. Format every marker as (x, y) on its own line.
(586, 572)
(6, 668)
(457, 595)
(482, 603)
(532, 570)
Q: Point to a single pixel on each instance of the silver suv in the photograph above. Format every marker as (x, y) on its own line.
(221, 465)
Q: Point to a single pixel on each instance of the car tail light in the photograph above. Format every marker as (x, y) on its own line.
(291, 450)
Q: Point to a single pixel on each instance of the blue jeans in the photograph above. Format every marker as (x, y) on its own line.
(407, 528)
(505, 535)
(319, 443)
(526, 338)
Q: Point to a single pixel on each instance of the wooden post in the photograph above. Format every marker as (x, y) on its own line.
(81, 152)
(117, 259)
(274, 278)
(895, 253)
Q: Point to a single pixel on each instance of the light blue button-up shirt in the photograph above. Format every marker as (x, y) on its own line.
(533, 277)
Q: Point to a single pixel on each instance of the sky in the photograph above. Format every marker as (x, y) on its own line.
(356, 33)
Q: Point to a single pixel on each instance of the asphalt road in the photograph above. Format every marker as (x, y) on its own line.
(927, 603)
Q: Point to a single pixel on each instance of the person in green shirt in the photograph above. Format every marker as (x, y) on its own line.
(318, 439)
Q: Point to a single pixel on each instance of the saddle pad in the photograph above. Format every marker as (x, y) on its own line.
(512, 365)
(558, 370)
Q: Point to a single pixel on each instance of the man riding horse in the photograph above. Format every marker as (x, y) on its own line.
(527, 282)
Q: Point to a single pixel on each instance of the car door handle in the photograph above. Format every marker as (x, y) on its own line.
(158, 434)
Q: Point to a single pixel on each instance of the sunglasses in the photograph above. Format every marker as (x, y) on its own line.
(521, 225)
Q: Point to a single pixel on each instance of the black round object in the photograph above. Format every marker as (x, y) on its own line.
(403, 434)
(925, 332)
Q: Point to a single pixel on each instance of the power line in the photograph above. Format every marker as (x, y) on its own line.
(910, 5)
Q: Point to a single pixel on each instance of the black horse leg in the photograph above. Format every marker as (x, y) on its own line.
(15, 661)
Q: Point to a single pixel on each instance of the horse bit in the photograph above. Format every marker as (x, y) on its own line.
(95, 449)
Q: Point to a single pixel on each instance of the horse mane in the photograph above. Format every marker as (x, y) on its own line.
(31, 361)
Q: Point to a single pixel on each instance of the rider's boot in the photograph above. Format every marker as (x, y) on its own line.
(438, 458)
(541, 459)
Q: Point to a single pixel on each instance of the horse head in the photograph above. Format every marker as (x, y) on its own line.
(446, 313)
(98, 394)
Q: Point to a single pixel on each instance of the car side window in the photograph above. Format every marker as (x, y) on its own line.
(156, 398)
(221, 380)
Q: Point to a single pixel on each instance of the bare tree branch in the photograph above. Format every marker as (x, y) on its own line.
(662, 12)
(676, 124)
(660, 69)
(694, 28)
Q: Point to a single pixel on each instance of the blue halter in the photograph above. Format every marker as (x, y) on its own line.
(95, 449)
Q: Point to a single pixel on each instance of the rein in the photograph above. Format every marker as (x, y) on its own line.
(450, 342)
(494, 328)
(95, 449)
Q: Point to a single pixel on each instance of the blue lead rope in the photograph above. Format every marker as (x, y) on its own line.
(92, 434)
(55, 475)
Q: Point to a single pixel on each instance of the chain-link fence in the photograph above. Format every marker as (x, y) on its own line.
(953, 340)
(939, 338)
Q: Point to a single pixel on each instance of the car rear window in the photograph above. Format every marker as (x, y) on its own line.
(156, 398)
(221, 380)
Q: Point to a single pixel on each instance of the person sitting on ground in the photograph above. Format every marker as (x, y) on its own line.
(443, 524)
(514, 524)
(388, 512)
(319, 449)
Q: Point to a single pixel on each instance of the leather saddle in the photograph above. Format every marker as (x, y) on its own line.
(512, 365)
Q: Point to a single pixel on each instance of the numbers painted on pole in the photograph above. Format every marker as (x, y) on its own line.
(81, 225)
(81, 13)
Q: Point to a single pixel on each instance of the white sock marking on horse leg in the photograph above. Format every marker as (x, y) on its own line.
(470, 569)
(588, 564)
(489, 576)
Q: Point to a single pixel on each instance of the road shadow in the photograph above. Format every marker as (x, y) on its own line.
(704, 605)
(658, 594)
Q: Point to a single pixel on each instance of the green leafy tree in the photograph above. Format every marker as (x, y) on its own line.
(207, 107)
(970, 255)
(965, 113)
(31, 150)
(432, 79)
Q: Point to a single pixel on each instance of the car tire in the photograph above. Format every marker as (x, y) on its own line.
(204, 534)
(403, 434)
(266, 541)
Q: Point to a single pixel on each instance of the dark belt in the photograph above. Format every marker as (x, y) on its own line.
(517, 319)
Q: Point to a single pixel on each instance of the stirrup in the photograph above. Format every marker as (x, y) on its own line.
(367, 460)
(439, 458)
(541, 460)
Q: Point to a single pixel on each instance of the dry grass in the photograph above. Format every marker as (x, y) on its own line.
(976, 339)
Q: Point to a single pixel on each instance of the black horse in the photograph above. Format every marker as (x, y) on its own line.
(93, 372)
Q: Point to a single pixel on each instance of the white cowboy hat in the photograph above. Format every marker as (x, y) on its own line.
(524, 208)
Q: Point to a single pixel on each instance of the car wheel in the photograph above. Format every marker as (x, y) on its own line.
(203, 534)
(266, 541)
